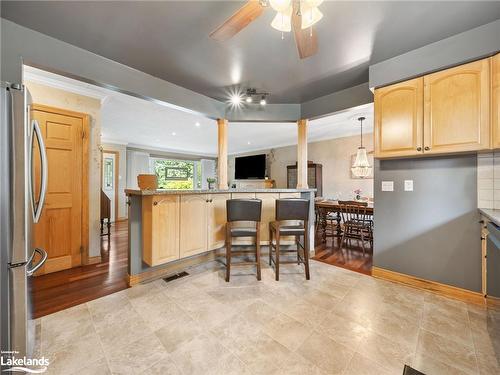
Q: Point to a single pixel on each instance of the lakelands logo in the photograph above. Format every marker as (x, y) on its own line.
(23, 364)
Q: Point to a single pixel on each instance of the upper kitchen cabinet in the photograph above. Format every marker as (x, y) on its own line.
(495, 100)
(399, 119)
(456, 109)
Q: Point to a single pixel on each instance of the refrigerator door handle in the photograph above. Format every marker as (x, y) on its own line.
(32, 270)
(37, 208)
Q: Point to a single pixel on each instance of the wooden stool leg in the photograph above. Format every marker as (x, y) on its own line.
(270, 245)
(257, 251)
(306, 251)
(228, 253)
(102, 226)
(277, 259)
(109, 229)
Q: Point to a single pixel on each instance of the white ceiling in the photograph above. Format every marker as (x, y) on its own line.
(140, 123)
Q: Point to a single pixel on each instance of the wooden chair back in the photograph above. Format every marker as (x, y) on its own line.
(354, 213)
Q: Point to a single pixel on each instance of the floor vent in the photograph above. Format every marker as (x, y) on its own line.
(176, 276)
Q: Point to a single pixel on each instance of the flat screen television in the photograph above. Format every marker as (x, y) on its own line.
(250, 167)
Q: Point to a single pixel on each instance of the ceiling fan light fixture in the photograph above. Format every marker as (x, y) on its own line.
(283, 21)
(310, 15)
(280, 5)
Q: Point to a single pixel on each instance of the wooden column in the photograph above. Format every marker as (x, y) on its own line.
(302, 154)
(222, 153)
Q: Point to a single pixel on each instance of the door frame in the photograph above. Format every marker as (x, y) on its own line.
(116, 172)
(85, 170)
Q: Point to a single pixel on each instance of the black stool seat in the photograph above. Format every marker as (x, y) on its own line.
(243, 232)
(289, 230)
(242, 210)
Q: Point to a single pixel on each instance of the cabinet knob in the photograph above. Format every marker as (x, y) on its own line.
(155, 203)
(427, 148)
(419, 148)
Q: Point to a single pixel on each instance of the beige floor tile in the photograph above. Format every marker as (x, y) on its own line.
(164, 367)
(199, 355)
(287, 331)
(237, 330)
(120, 334)
(386, 352)
(100, 367)
(141, 291)
(108, 304)
(69, 359)
(295, 364)
(360, 365)
(396, 327)
(103, 318)
(158, 310)
(325, 353)
(344, 331)
(137, 356)
(488, 363)
(448, 326)
(261, 353)
(429, 365)
(178, 332)
(446, 351)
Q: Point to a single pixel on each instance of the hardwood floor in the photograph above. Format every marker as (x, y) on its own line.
(350, 257)
(59, 290)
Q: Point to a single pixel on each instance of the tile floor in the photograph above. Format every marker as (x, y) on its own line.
(339, 322)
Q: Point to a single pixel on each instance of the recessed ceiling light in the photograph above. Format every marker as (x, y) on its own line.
(236, 99)
(263, 101)
(248, 143)
(249, 99)
(174, 133)
(197, 123)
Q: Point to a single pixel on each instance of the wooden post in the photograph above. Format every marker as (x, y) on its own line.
(302, 154)
(222, 154)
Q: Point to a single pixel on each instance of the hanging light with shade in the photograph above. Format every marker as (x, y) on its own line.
(361, 167)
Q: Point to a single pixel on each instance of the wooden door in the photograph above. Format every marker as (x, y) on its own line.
(495, 100)
(399, 119)
(60, 230)
(216, 216)
(193, 224)
(268, 214)
(160, 229)
(456, 109)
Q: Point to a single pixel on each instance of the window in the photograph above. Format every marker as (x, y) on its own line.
(175, 174)
(108, 173)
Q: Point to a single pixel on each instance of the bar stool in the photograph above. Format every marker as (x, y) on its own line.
(290, 209)
(243, 210)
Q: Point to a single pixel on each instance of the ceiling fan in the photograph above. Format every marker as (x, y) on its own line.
(297, 15)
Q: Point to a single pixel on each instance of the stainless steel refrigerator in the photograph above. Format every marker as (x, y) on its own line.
(20, 138)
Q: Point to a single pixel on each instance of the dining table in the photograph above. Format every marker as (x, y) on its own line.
(327, 209)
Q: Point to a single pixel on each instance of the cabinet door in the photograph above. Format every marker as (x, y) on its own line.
(216, 212)
(399, 119)
(193, 224)
(495, 101)
(456, 112)
(160, 229)
(268, 214)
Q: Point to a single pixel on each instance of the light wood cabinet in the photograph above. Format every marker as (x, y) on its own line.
(495, 100)
(456, 109)
(268, 214)
(193, 224)
(160, 225)
(399, 119)
(216, 217)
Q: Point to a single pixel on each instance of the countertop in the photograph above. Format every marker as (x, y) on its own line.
(213, 191)
(493, 215)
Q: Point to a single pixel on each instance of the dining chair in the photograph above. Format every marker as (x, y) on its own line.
(247, 210)
(290, 209)
(357, 222)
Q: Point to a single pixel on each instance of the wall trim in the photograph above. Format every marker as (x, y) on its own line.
(93, 260)
(432, 286)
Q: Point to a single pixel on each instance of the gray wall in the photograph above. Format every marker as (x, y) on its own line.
(470, 45)
(433, 232)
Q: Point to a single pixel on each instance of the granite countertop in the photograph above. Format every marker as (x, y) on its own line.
(493, 215)
(213, 191)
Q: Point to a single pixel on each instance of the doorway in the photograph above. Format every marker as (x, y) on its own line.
(109, 180)
(63, 228)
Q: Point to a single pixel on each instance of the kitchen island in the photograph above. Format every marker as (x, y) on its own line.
(170, 230)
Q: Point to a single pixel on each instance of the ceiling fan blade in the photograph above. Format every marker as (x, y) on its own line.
(305, 39)
(238, 21)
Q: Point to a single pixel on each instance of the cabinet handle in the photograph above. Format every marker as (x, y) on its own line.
(155, 203)
(419, 148)
(427, 148)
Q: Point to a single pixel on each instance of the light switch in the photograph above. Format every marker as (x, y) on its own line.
(387, 185)
(408, 185)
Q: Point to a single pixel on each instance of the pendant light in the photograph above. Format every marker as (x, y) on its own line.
(361, 167)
